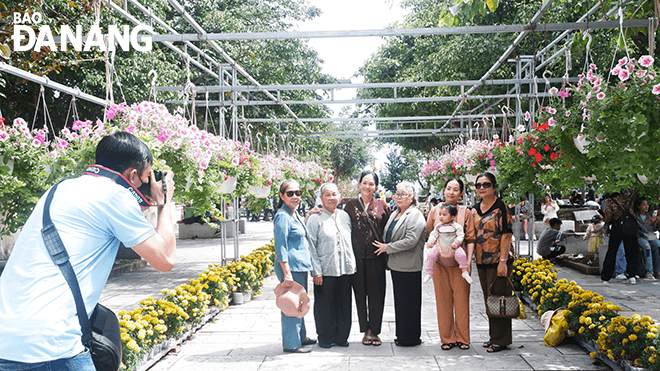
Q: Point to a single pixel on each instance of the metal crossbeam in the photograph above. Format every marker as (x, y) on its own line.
(531, 27)
(226, 103)
(376, 85)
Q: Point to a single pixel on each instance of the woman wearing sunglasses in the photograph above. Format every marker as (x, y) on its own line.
(293, 261)
(493, 254)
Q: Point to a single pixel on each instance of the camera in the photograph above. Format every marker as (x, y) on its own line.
(145, 188)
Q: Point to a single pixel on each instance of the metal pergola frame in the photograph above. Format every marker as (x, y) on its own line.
(227, 75)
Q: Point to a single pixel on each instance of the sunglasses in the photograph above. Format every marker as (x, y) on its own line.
(484, 185)
(291, 193)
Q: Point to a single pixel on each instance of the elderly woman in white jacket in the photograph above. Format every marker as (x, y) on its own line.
(333, 266)
(405, 234)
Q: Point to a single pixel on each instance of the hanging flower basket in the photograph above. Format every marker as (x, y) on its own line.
(260, 191)
(228, 186)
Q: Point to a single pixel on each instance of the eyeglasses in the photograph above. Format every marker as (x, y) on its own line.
(291, 193)
(401, 195)
(484, 185)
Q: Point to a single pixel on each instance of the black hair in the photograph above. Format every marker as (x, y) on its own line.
(453, 211)
(488, 175)
(121, 150)
(460, 183)
(433, 200)
(369, 172)
(285, 184)
(638, 202)
(554, 221)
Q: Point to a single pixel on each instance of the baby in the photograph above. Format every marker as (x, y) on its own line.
(447, 236)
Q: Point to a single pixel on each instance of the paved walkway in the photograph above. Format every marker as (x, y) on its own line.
(248, 336)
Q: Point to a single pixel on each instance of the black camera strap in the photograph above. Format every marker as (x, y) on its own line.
(101, 171)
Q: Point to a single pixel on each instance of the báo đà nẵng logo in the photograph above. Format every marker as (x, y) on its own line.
(25, 38)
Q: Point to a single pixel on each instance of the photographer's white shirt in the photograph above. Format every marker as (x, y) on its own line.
(37, 310)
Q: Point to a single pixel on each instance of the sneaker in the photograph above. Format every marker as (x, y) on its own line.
(632, 281)
(605, 282)
(621, 276)
(649, 276)
(526, 236)
(534, 237)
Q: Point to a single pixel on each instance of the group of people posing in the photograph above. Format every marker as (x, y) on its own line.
(350, 250)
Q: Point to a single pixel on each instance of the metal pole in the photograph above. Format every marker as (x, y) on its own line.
(234, 128)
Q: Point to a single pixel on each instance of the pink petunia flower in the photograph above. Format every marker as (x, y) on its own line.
(656, 89)
(553, 90)
(600, 95)
(623, 61)
(646, 61)
(624, 74)
(640, 73)
(563, 94)
(615, 71)
(568, 113)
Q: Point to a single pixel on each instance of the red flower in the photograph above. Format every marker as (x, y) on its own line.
(538, 157)
(546, 148)
(533, 165)
(554, 156)
(532, 151)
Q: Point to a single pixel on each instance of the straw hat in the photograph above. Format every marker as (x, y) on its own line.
(546, 318)
(292, 301)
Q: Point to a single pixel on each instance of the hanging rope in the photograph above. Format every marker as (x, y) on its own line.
(47, 119)
(74, 108)
(623, 37)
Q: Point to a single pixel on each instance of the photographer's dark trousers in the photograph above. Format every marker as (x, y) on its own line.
(629, 244)
(555, 251)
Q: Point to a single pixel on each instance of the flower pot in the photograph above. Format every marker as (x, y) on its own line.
(247, 296)
(260, 191)
(228, 186)
(237, 298)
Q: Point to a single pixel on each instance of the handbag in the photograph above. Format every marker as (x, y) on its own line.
(627, 224)
(100, 334)
(499, 306)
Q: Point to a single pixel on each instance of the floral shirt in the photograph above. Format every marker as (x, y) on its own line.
(490, 226)
(612, 211)
(362, 236)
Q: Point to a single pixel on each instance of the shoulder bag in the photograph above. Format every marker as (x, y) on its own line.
(500, 306)
(101, 334)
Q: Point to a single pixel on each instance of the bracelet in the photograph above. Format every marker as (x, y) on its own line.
(503, 260)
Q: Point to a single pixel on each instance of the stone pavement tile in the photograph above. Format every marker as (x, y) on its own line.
(518, 348)
(542, 362)
(393, 364)
(569, 347)
(305, 362)
(479, 362)
(264, 348)
(431, 349)
(242, 338)
(206, 363)
(355, 349)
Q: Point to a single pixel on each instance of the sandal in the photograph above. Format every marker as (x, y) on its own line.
(447, 346)
(487, 344)
(375, 341)
(496, 348)
(367, 340)
(462, 345)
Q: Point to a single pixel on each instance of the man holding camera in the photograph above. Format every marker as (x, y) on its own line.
(93, 214)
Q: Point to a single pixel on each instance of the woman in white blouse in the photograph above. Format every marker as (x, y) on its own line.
(333, 266)
(549, 209)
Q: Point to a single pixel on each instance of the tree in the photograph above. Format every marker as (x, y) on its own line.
(469, 57)
(395, 167)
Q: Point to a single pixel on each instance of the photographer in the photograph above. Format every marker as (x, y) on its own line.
(93, 214)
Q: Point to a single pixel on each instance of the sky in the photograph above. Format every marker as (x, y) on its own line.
(344, 56)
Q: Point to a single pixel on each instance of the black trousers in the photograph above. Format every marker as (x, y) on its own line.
(629, 244)
(408, 307)
(369, 289)
(332, 309)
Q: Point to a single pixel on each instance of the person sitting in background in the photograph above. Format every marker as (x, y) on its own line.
(576, 199)
(549, 209)
(548, 241)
